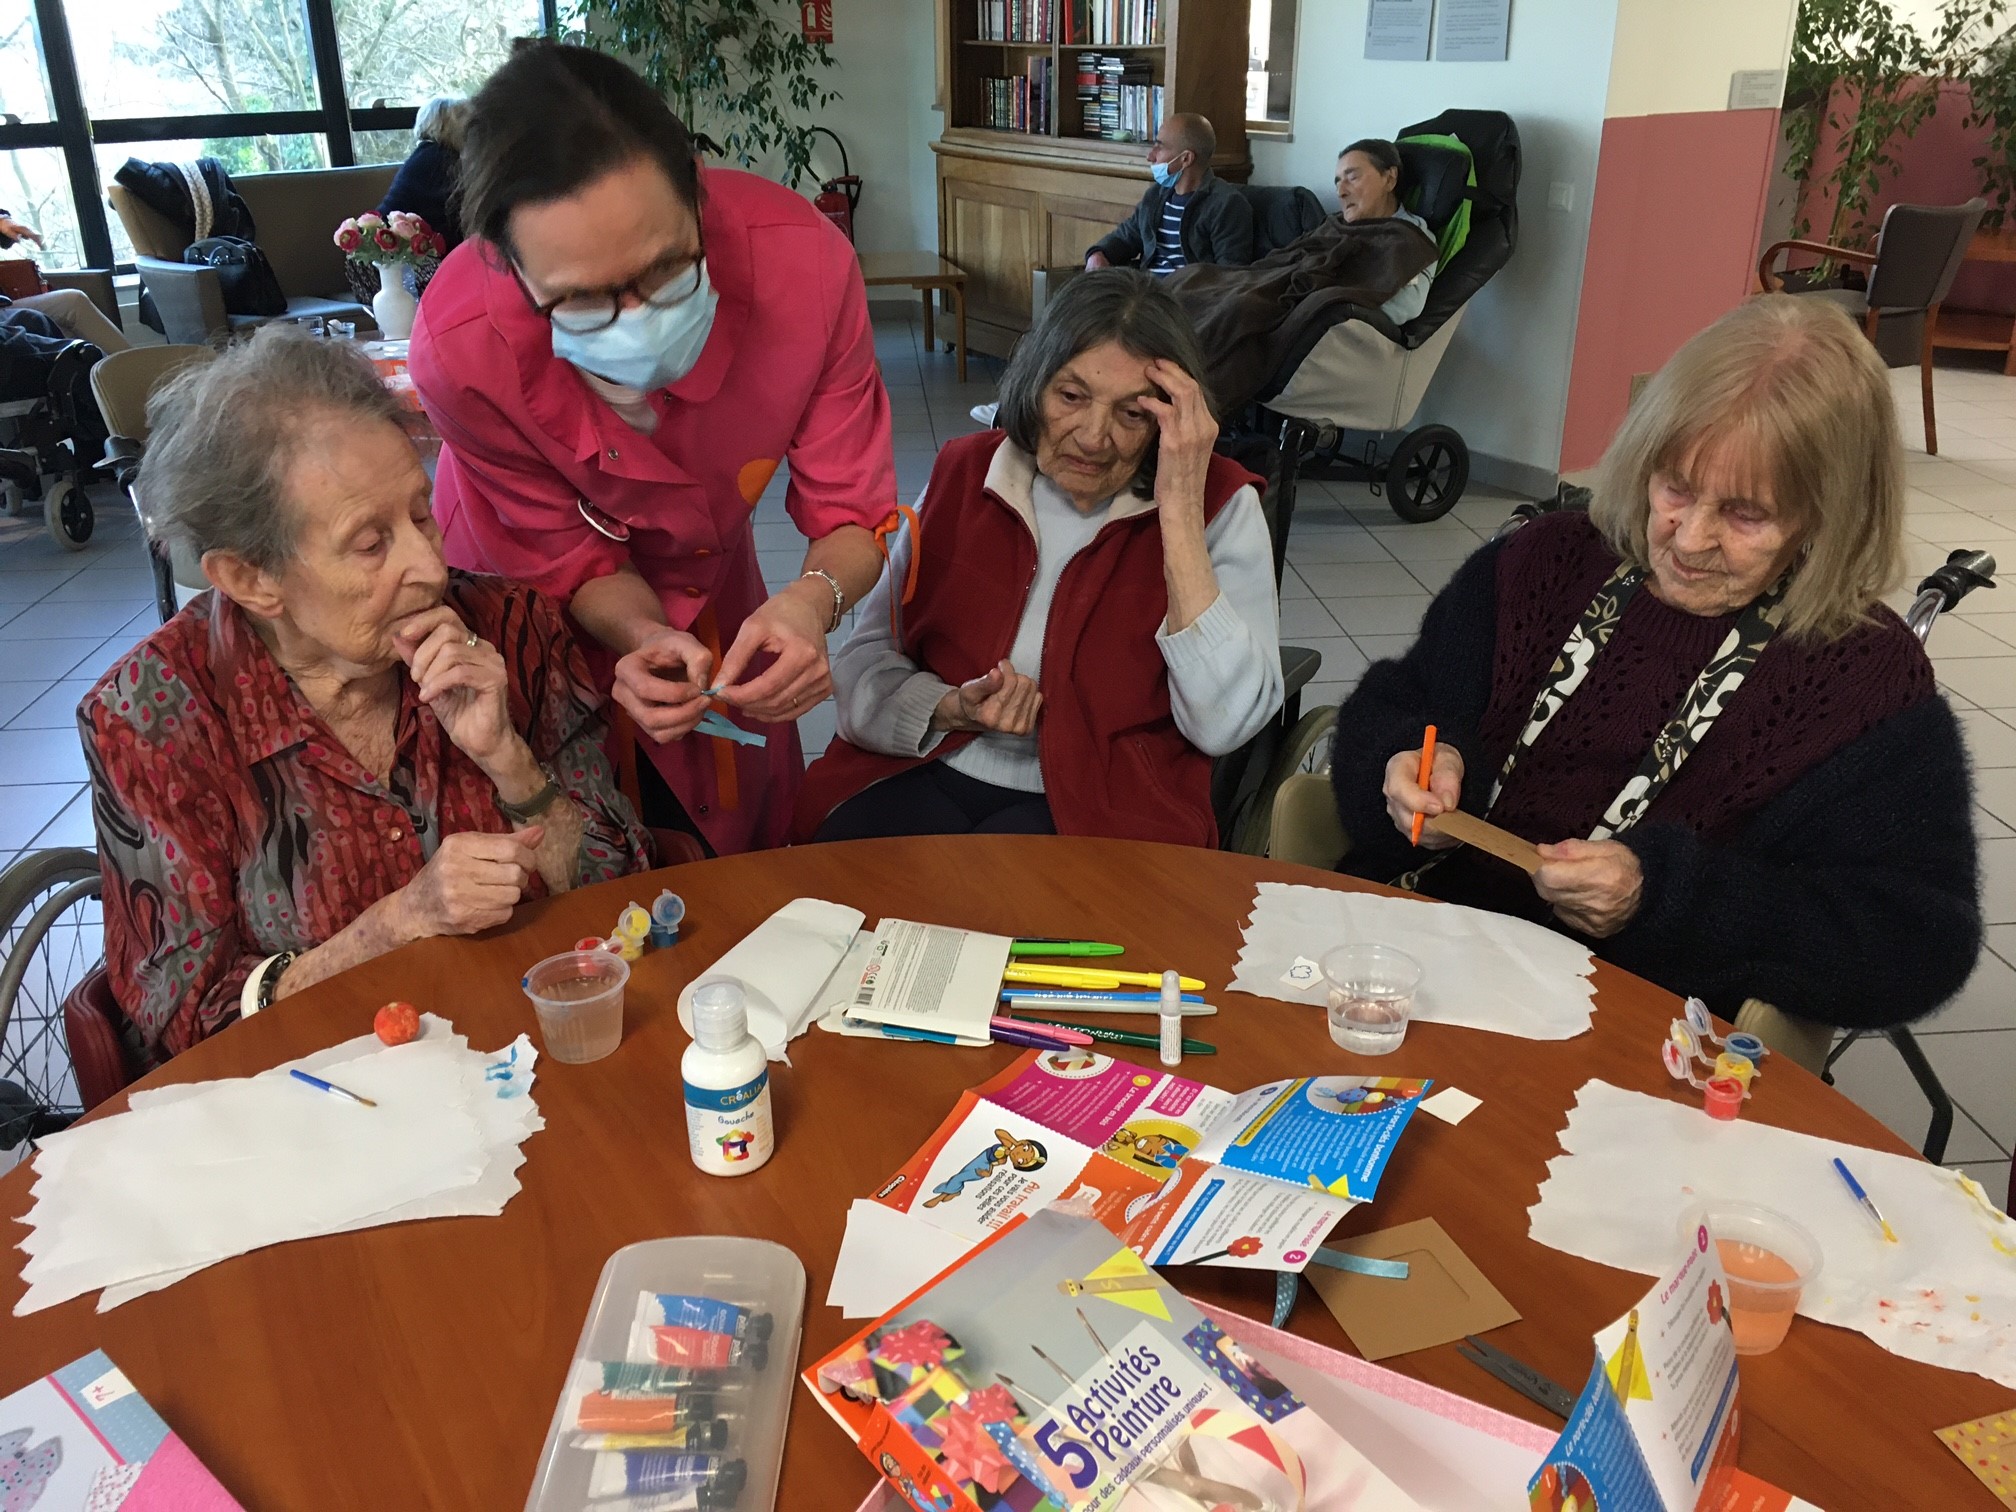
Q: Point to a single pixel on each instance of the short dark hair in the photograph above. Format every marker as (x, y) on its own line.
(553, 119)
(1109, 304)
(1385, 156)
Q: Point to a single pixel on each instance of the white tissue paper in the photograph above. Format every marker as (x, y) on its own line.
(1945, 1293)
(783, 966)
(1478, 970)
(196, 1173)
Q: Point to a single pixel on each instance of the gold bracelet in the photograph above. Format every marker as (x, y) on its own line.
(839, 598)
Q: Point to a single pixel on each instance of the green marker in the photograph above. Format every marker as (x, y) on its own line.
(1046, 947)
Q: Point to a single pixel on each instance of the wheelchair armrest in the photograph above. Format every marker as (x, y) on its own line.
(1299, 666)
(189, 298)
(94, 283)
(1045, 284)
(1372, 316)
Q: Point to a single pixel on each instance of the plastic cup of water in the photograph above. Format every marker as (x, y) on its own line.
(1769, 1260)
(1371, 996)
(578, 998)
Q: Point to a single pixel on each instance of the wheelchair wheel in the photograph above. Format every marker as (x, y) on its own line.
(1427, 473)
(50, 936)
(70, 515)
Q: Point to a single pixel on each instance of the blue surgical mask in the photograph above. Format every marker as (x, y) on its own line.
(648, 346)
(1164, 175)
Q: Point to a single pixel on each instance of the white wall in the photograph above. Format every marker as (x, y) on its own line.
(886, 74)
(1504, 381)
(1672, 56)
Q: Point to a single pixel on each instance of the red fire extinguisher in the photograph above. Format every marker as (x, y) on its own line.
(838, 197)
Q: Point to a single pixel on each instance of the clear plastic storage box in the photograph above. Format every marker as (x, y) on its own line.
(681, 1384)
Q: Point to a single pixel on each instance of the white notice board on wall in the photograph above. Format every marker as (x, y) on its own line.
(1472, 31)
(1396, 31)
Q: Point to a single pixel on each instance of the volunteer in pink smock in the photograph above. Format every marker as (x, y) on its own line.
(618, 360)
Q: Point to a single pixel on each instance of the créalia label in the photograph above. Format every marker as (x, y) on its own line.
(107, 1389)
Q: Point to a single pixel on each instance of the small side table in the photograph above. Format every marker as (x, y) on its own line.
(1978, 330)
(928, 273)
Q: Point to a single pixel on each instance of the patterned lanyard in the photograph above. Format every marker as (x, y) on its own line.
(1689, 724)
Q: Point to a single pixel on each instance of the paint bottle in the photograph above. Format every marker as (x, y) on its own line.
(727, 1081)
(1172, 1018)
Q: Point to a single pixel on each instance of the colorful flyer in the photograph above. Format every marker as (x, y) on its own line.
(1181, 1172)
(1656, 1426)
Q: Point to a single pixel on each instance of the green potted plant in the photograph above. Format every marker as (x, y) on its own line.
(739, 73)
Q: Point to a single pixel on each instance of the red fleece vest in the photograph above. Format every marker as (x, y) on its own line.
(1114, 762)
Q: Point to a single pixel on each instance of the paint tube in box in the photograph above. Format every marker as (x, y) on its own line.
(713, 1481)
(656, 1342)
(705, 1434)
(709, 1315)
(619, 1397)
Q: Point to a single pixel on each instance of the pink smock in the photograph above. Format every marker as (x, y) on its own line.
(529, 453)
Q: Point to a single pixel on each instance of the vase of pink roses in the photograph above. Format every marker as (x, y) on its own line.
(402, 242)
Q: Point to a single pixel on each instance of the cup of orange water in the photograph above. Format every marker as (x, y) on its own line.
(1769, 1260)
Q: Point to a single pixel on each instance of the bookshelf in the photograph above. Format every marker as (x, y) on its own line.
(1049, 109)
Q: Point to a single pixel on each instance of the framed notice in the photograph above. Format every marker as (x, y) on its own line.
(1396, 31)
(1472, 31)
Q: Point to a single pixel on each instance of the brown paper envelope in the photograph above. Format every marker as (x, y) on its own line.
(1987, 1446)
(1443, 1298)
(1501, 843)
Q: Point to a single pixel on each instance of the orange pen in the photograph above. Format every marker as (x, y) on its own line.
(1427, 770)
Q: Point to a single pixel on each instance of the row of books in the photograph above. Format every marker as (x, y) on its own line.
(1016, 21)
(1118, 99)
(1103, 23)
(1021, 102)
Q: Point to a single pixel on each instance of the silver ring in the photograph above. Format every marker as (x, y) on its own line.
(472, 641)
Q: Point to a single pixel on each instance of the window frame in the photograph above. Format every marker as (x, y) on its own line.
(1284, 128)
(76, 134)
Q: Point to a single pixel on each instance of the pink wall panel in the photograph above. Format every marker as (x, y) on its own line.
(1672, 245)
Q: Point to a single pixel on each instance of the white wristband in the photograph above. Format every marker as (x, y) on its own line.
(248, 995)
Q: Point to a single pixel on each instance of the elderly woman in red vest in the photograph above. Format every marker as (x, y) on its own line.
(1086, 616)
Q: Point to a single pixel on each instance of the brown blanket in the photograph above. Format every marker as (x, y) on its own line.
(1248, 319)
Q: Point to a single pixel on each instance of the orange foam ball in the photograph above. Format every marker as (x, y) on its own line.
(397, 1023)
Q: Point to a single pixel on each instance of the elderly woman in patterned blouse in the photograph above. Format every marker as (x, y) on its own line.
(1741, 777)
(345, 746)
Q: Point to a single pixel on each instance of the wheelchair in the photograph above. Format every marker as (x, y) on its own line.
(1342, 406)
(55, 441)
(51, 941)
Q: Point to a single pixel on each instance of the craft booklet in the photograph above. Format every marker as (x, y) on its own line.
(1181, 1172)
(1656, 1427)
(83, 1440)
(930, 978)
(1051, 1371)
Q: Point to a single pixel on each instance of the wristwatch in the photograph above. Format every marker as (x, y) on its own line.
(537, 804)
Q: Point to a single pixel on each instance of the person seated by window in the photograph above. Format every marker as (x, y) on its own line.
(344, 746)
(1742, 780)
(426, 182)
(1189, 214)
(1084, 615)
(1368, 188)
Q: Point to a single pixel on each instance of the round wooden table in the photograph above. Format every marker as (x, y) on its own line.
(417, 1365)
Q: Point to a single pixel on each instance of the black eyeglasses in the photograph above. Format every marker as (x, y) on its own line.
(670, 281)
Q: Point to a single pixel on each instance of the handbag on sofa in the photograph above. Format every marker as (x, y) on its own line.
(249, 284)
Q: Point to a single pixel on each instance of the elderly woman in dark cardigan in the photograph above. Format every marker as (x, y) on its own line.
(1741, 777)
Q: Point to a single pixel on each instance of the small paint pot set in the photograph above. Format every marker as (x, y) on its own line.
(679, 1393)
(1731, 1067)
(637, 927)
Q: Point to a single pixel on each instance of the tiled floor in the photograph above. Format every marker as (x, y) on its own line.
(1357, 582)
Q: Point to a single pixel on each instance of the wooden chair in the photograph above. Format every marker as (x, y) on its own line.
(1918, 252)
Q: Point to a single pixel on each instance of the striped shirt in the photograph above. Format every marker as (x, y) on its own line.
(1169, 237)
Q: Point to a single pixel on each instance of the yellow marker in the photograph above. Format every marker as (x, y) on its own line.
(1090, 979)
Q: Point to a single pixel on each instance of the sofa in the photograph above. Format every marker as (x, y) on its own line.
(296, 213)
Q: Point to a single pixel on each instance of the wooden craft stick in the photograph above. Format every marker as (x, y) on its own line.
(1503, 844)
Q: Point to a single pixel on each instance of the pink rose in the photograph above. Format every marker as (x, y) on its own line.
(420, 224)
(349, 238)
(370, 220)
(385, 239)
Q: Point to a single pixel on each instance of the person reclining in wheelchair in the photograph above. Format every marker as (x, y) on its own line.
(344, 746)
(1084, 614)
(1189, 215)
(1374, 253)
(1700, 677)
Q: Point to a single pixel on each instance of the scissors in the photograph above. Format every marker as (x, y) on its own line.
(1520, 1376)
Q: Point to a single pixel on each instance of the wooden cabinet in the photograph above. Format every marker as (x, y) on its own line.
(1010, 202)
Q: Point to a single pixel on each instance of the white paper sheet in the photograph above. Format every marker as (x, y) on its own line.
(1452, 1105)
(1634, 1164)
(197, 1173)
(885, 1256)
(1478, 970)
(783, 965)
